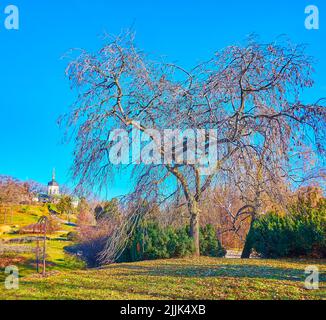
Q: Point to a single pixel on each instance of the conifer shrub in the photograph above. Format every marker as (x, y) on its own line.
(150, 241)
(300, 233)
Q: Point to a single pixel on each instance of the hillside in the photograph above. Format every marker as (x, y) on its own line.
(17, 247)
(204, 278)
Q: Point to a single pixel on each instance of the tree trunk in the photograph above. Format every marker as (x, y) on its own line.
(194, 225)
(246, 252)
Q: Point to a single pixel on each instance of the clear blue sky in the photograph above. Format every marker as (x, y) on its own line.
(34, 91)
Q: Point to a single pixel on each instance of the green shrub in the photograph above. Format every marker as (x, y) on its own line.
(209, 244)
(180, 244)
(150, 241)
(302, 232)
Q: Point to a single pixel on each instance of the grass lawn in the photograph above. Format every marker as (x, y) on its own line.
(21, 215)
(57, 259)
(203, 278)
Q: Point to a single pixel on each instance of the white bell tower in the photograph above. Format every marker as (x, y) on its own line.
(53, 186)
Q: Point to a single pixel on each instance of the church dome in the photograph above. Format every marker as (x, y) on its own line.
(53, 183)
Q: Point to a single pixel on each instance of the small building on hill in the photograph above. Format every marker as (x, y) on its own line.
(53, 186)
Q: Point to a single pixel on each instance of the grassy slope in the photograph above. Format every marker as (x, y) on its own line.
(57, 259)
(22, 215)
(204, 278)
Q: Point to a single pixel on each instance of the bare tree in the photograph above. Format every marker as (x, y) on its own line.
(13, 191)
(36, 187)
(250, 94)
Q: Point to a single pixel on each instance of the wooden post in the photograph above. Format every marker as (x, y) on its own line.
(44, 249)
(42, 228)
(37, 253)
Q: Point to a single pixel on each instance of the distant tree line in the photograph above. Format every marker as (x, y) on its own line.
(14, 191)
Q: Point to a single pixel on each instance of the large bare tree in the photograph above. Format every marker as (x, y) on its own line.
(250, 94)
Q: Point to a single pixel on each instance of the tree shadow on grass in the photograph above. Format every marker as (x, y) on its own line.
(108, 292)
(222, 270)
